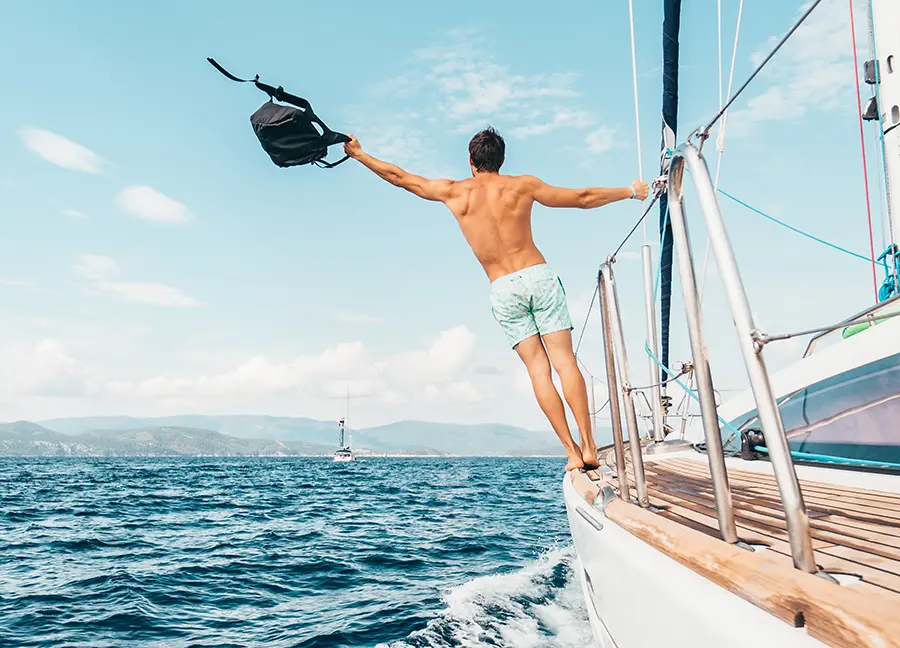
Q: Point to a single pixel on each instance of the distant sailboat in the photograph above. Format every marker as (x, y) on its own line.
(345, 451)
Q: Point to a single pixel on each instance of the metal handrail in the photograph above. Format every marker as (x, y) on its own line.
(653, 342)
(869, 311)
(702, 374)
(610, 297)
(752, 352)
(615, 415)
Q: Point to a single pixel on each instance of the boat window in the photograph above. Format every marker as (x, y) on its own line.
(853, 415)
(890, 64)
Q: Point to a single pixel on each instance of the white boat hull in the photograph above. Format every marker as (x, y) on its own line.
(638, 597)
(343, 458)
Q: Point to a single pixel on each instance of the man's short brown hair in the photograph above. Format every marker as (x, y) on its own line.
(487, 151)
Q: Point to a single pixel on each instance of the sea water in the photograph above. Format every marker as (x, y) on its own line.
(286, 552)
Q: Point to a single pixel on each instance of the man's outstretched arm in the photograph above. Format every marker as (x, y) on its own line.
(437, 190)
(587, 198)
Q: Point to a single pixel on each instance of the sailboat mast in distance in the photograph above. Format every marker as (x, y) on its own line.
(671, 28)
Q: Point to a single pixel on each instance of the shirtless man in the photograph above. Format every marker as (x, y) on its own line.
(527, 297)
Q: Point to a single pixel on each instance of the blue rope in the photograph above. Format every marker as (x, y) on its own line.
(841, 461)
(687, 389)
(794, 229)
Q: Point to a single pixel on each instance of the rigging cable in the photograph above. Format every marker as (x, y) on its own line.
(637, 112)
(704, 132)
(640, 220)
(720, 140)
(862, 143)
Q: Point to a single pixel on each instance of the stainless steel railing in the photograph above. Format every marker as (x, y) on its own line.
(752, 352)
(609, 300)
(620, 385)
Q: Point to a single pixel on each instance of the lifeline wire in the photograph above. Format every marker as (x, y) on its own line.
(704, 132)
(640, 220)
(794, 229)
(764, 338)
(862, 143)
(586, 318)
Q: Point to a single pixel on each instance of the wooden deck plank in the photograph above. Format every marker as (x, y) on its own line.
(829, 557)
(885, 504)
(823, 525)
(854, 531)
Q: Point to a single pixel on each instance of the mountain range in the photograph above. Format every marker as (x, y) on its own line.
(251, 435)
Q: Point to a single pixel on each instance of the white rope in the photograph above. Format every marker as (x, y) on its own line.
(719, 30)
(720, 140)
(637, 110)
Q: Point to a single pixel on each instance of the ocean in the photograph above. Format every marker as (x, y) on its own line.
(301, 552)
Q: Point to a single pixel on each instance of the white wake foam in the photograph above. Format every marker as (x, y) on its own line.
(538, 606)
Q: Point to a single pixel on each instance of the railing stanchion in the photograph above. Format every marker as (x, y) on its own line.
(634, 436)
(706, 394)
(612, 383)
(769, 414)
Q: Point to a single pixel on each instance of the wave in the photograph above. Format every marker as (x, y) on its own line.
(538, 606)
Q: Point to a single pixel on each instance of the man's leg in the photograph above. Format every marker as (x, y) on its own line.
(559, 348)
(535, 358)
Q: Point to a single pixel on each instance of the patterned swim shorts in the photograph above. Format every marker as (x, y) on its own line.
(530, 302)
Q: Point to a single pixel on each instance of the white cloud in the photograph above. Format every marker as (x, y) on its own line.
(470, 85)
(73, 213)
(449, 351)
(95, 266)
(392, 379)
(562, 119)
(464, 88)
(45, 369)
(148, 203)
(601, 140)
(101, 272)
(812, 72)
(61, 151)
(148, 292)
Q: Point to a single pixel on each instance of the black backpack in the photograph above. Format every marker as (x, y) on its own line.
(291, 135)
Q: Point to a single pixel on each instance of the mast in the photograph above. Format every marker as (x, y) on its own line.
(671, 28)
(349, 433)
(884, 24)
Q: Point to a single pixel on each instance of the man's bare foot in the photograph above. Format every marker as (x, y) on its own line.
(575, 462)
(589, 457)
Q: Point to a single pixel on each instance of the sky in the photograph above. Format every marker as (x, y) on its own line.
(154, 261)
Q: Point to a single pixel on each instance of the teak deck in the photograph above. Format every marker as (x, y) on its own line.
(854, 531)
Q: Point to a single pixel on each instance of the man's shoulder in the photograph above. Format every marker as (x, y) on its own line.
(524, 180)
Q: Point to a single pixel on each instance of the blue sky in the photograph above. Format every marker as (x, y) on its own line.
(153, 260)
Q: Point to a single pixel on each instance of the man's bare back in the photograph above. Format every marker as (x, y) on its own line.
(494, 214)
(527, 297)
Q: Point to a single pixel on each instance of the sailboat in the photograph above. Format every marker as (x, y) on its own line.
(345, 440)
(772, 519)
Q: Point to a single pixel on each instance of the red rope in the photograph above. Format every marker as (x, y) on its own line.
(862, 142)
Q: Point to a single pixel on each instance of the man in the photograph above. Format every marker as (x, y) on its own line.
(527, 297)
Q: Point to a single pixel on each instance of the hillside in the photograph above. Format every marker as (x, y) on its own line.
(29, 439)
(256, 435)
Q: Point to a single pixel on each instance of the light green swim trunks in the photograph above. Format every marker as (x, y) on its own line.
(530, 302)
